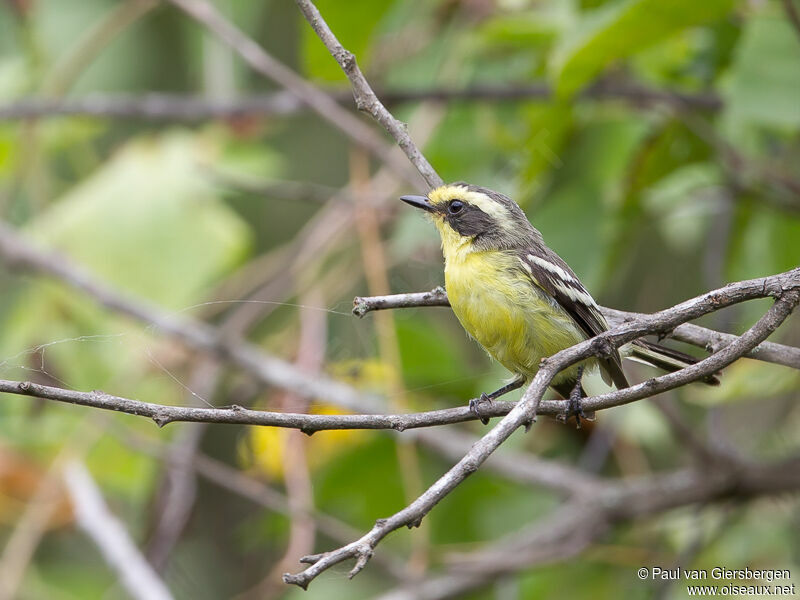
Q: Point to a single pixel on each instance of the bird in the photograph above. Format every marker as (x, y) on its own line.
(520, 300)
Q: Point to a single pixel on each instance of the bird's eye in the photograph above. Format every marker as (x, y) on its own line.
(455, 207)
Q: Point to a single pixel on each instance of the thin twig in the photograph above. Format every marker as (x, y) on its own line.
(177, 107)
(365, 98)
(784, 285)
(315, 98)
(702, 337)
(524, 413)
(17, 252)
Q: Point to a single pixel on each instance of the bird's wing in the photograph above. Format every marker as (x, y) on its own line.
(553, 275)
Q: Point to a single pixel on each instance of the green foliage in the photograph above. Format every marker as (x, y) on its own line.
(765, 75)
(620, 29)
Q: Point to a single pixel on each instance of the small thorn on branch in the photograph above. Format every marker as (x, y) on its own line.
(161, 419)
(364, 553)
(311, 559)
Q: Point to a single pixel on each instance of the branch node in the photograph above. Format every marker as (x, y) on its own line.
(364, 553)
(24, 386)
(359, 307)
(415, 523)
(602, 347)
(297, 580)
(470, 466)
(346, 59)
(311, 559)
(161, 418)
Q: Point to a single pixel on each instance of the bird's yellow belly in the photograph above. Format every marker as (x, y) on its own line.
(509, 316)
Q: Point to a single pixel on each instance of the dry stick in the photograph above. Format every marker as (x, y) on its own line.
(121, 554)
(176, 107)
(775, 285)
(315, 98)
(525, 411)
(708, 339)
(365, 98)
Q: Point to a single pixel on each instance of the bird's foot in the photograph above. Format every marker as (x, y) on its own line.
(575, 403)
(474, 407)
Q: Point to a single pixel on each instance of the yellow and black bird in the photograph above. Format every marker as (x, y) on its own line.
(517, 297)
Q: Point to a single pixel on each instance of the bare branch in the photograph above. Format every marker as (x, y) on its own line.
(436, 297)
(782, 285)
(714, 341)
(524, 413)
(324, 105)
(365, 98)
(16, 251)
(152, 107)
(270, 370)
(122, 555)
(175, 107)
(708, 339)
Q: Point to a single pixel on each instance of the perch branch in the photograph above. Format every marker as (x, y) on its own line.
(708, 339)
(525, 411)
(784, 285)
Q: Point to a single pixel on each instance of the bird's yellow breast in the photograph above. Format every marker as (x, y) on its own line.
(510, 316)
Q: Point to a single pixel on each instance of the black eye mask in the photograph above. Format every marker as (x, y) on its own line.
(469, 220)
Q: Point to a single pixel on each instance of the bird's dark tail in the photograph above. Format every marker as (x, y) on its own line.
(664, 358)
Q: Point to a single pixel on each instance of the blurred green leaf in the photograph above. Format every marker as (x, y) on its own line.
(620, 29)
(163, 233)
(683, 203)
(764, 85)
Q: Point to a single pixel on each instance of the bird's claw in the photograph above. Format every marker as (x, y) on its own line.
(474, 407)
(574, 403)
(575, 407)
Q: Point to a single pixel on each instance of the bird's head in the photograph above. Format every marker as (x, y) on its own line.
(472, 218)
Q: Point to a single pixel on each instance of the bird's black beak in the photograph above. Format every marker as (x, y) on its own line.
(418, 202)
